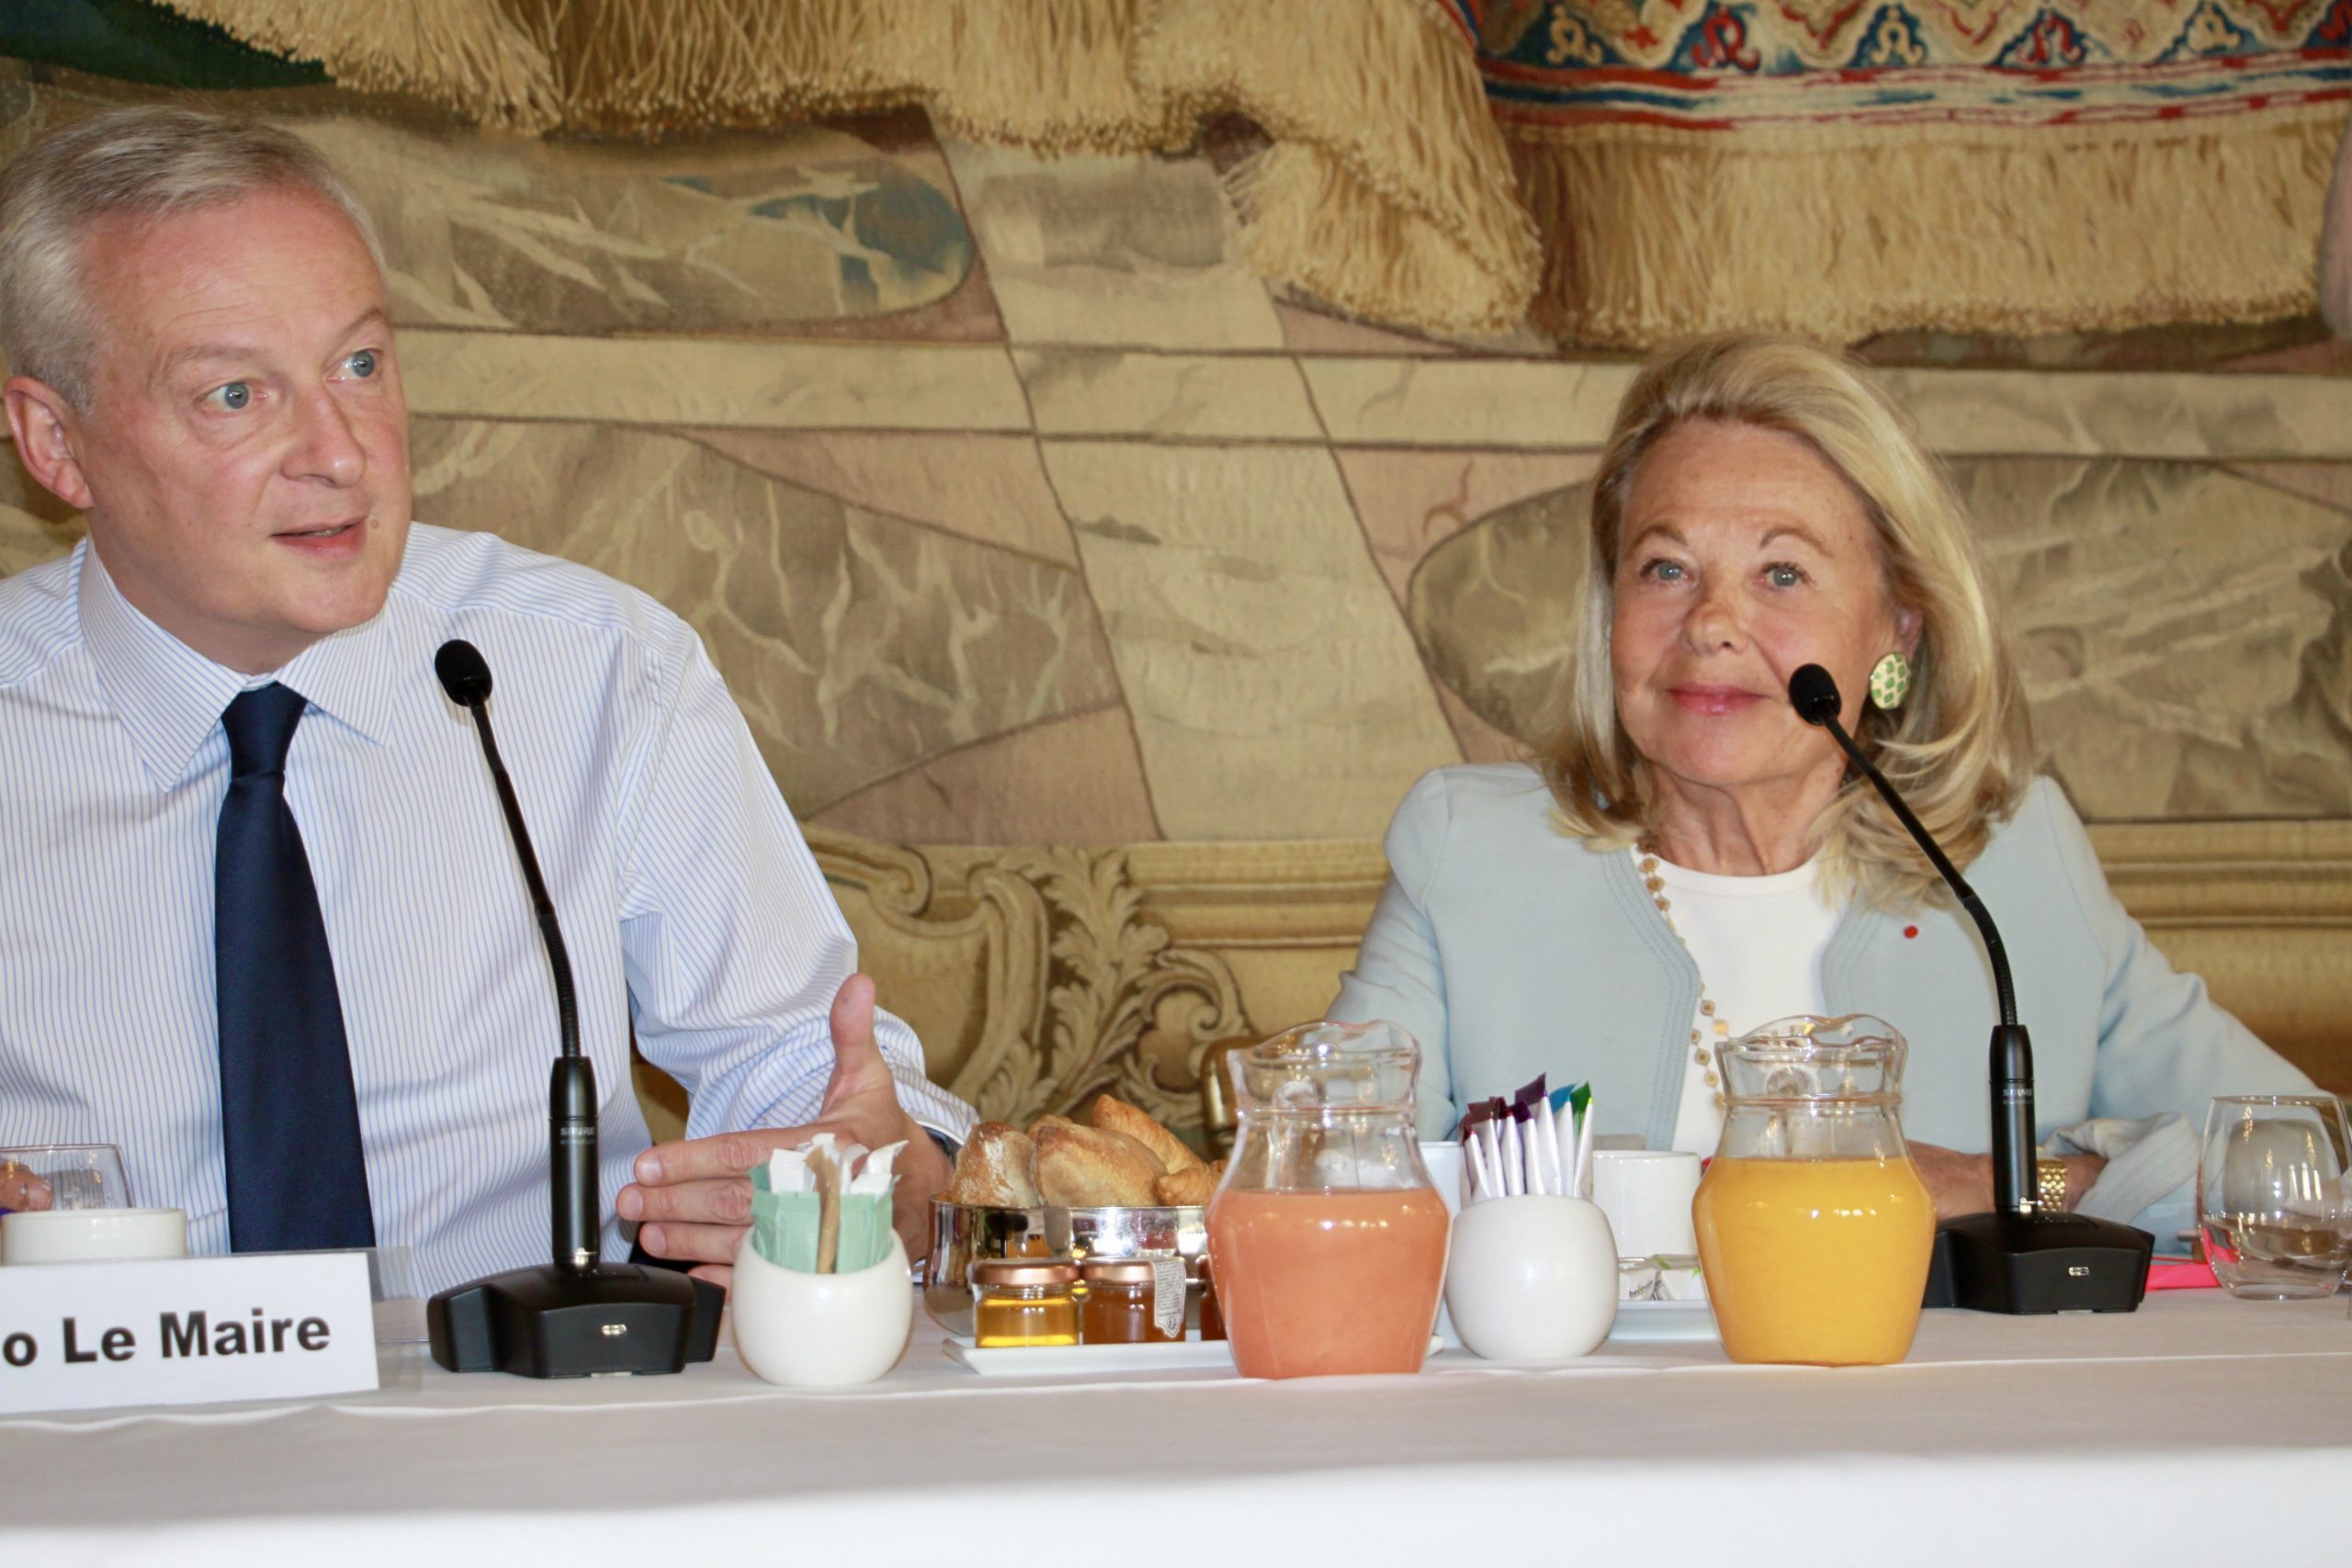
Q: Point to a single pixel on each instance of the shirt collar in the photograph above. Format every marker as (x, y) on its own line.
(170, 697)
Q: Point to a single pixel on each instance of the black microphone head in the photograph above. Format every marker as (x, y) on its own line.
(465, 674)
(1812, 692)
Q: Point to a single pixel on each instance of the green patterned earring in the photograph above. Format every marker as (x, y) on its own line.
(1891, 679)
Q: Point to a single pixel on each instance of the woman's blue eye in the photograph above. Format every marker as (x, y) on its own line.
(235, 394)
(1665, 571)
(363, 364)
(1784, 576)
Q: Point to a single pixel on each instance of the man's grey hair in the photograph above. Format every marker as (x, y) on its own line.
(149, 163)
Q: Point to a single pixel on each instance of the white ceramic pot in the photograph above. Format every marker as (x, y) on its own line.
(1532, 1279)
(92, 1236)
(821, 1330)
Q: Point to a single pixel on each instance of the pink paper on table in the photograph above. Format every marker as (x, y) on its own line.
(2181, 1274)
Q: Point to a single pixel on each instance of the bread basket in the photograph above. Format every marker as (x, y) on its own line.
(966, 1233)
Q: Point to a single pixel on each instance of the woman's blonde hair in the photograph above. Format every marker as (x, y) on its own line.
(1960, 749)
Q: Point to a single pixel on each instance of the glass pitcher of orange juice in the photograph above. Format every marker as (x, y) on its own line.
(1326, 1237)
(1813, 1226)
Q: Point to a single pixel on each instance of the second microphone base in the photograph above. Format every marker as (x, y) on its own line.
(553, 1323)
(2027, 1264)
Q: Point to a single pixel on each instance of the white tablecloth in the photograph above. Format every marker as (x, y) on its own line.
(2197, 1429)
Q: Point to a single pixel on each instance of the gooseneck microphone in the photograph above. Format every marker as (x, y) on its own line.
(2017, 1258)
(571, 1090)
(1813, 695)
(578, 1317)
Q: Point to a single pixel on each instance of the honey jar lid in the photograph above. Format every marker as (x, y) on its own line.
(1025, 1271)
(1117, 1270)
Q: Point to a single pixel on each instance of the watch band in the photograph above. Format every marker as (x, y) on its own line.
(2049, 1185)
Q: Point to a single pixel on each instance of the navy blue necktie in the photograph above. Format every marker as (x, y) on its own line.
(290, 1121)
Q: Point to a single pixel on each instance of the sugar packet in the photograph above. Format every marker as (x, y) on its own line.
(824, 1208)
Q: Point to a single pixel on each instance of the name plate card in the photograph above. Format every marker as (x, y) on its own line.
(185, 1331)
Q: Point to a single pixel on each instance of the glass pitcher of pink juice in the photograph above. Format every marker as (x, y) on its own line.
(1815, 1228)
(1327, 1236)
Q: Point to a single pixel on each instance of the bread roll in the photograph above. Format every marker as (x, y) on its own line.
(993, 1167)
(1115, 1115)
(1193, 1186)
(1091, 1168)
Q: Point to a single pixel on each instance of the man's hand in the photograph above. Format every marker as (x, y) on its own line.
(21, 1189)
(694, 1197)
(1963, 1184)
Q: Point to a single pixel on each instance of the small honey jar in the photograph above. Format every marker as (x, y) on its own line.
(1128, 1302)
(1023, 1301)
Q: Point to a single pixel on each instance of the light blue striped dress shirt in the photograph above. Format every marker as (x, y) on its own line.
(689, 901)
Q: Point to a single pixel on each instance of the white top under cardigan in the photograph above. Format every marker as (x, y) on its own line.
(1758, 941)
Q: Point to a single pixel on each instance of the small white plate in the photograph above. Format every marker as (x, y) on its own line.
(1079, 1361)
(1645, 1320)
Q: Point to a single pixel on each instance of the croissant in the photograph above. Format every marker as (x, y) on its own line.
(1115, 1115)
(1091, 1168)
(1193, 1186)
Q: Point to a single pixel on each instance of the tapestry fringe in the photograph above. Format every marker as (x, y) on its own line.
(1406, 215)
(471, 58)
(1052, 74)
(2077, 228)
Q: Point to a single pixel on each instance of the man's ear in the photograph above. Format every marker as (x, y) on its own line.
(45, 429)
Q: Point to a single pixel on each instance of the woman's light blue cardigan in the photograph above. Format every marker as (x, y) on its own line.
(1509, 949)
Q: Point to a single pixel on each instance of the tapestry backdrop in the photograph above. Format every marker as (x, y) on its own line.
(1017, 510)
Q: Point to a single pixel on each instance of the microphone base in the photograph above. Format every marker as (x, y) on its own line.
(2027, 1264)
(546, 1321)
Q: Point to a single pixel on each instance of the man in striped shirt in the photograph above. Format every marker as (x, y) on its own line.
(196, 319)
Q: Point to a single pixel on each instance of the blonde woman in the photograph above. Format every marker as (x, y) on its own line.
(1688, 860)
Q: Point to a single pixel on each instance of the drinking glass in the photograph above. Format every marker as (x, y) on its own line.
(63, 1176)
(2272, 1196)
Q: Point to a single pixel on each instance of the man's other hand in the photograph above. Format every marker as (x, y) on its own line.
(692, 1197)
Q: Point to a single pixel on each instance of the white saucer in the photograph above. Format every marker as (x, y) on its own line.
(1642, 1321)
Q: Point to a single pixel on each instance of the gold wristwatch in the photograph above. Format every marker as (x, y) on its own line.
(2049, 1185)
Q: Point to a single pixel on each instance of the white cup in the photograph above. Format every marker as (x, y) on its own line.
(1532, 1279)
(1646, 1194)
(92, 1236)
(821, 1330)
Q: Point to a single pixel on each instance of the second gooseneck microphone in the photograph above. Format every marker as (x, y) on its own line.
(571, 1090)
(2017, 1258)
(1813, 693)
